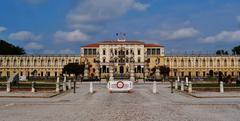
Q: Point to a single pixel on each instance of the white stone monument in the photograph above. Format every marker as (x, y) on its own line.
(8, 86)
(33, 87)
(58, 85)
(182, 86)
(190, 87)
(187, 81)
(221, 87)
(64, 83)
(91, 87)
(176, 84)
(154, 87)
(69, 84)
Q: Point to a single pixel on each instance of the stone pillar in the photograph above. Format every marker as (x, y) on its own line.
(182, 86)
(111, 78)
(178, 79)
(33, 87)
(176, 84)
(190, 87)
(64, 83)
(132, 76)
(187, 81)
(8, 86)
(91, 87)
(154, 87)
(157, 73)
(58, 85)
(70, 84)
(221, 87)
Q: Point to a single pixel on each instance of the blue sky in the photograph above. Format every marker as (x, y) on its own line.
(62, 26)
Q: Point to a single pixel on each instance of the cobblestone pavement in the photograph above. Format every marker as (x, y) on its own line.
(141, 105)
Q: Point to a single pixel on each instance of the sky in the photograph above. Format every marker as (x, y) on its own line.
(62, 26)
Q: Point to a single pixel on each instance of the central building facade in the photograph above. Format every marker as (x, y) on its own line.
(120, 54)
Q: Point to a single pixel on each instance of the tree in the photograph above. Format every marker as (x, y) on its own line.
(73, 68)
(236, 50)
(221, 52)
(164, 70)
(9, 49)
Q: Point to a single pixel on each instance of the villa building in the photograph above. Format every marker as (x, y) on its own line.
(121, 56)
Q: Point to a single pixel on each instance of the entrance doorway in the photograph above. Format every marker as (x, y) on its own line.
(121, 69)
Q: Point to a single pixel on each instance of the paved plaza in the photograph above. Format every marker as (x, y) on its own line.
(140, 105)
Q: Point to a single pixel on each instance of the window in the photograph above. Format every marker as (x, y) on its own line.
(14, 63)
(90, 51)
(35, 62)
(225, 62)
(211, 62)
(28, 62)
(127, 52)
(153, 51)
(175, 63)
(7, 63)
(48, 62)
(21, 62)
(104, 60)
(139, 52)
(115, 52)
(56, 62)
(218, 63)
(139, 59)
(204, 63)
(104, 52)
(158, 51)
(182, 63)
(94, 51)
(204, 74)
(189, 63)
(197, 63)
(232, 63)
(197, 74)
(148, 51)
(8, 73)
(85, 51)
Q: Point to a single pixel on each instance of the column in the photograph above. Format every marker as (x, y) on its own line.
(57, 85)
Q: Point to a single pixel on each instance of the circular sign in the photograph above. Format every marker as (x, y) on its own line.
(120, 84)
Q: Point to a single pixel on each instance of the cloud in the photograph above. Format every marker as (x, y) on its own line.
(182, 33)
(225, 36)
(34, 46)
(2, 29)
(73, 36)
(66, 51)
(91, 15)
(24, 36)
(238, 19)
(140, 6)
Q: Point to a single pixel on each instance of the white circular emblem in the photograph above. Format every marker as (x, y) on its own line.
(120, 84)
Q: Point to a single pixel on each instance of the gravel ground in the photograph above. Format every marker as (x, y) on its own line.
(141, 105)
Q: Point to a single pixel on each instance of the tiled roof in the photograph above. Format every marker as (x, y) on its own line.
(121, 42)
(152, 45)
(92, 45)
(127, 42)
